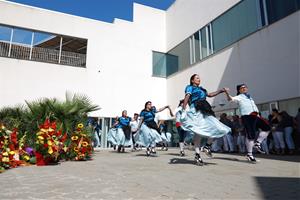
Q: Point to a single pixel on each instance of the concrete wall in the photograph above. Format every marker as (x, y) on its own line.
(121, 51)
(267, 61)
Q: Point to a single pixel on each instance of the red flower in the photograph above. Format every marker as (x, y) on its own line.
(83, 150)
(63, 139)
(46, 145)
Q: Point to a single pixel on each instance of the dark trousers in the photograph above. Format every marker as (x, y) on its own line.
(252, 123)
(127, 132)
(182, 134)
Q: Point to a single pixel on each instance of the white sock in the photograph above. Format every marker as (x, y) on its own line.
(197, 150)
(262, 135)
(249, 145)
(181, 146)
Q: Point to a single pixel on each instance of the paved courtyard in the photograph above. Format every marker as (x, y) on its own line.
(112, 175)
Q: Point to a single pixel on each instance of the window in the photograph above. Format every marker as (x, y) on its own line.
(197, 46)
(21, 43)
(182, 54)
(244, 18)
(236, 23)
(44, 47)
(278, 9)
(5, 37)
(159, 63)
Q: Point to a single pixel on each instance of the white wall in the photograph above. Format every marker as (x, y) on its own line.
(122, 51)
(185, 17)
(268, 61)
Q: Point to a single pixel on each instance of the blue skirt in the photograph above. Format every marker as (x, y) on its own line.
(166, 137)
(116, 136)
(147, 137)
(207, 126)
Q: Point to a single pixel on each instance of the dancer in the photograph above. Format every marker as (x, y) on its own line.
(182, 133)
(121, 135)
(134, 127)
(165, 135)
(148, 132)
(251, 120)
(200, 118)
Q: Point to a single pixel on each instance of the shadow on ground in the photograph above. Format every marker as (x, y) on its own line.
(279, 187)
(187, 161)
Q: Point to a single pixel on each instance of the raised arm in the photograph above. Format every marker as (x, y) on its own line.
(165, 107)
(213, 94)
(226, 91)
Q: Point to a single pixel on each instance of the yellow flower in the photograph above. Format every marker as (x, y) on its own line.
(49, 143)
(76, 149)
(40, 137)
(74, 137)
(50, 130)
(5, 154)
(80, 126)
(12, 153)
(43, 130)
(65, 148)
(5, 159)
(26, 158)
(50, 150)
(84, 144)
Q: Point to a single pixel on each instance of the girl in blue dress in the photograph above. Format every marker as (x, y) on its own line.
(148, 131)
(200, 119)
(120, 135)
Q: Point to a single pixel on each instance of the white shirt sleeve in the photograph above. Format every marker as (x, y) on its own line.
(236, 99)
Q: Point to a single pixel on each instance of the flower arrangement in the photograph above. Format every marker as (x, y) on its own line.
(48, 143)
(8, 149)
(80, 147)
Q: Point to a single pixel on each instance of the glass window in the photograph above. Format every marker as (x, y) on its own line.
(203, 43)
(197, 46)
(159, 64)
(45, 47)
(73, 51)
(22, 37)
(236, 23)
(278, 9)
(5, 35)
(21, 43)
(172, 64)
(182, 54)
(291, 106)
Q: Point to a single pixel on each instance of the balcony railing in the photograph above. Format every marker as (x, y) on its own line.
(42, 54)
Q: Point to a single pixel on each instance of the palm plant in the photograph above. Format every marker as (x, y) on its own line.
(67, 113)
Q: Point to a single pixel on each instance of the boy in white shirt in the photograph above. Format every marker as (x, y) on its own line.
(251, 120)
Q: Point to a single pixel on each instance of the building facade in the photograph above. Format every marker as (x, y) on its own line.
(123, 64)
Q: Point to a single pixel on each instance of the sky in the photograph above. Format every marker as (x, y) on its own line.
(103, 10)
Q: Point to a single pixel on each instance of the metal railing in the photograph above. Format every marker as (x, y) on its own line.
(42, 54)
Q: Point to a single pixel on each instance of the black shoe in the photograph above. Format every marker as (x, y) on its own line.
(123, 149)
(119, 148)
(148, 151)
(251, 158)
(153, 151)
(198, 160)
(114, 147)
(182, 154)
(207, 151)
(258, 148)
